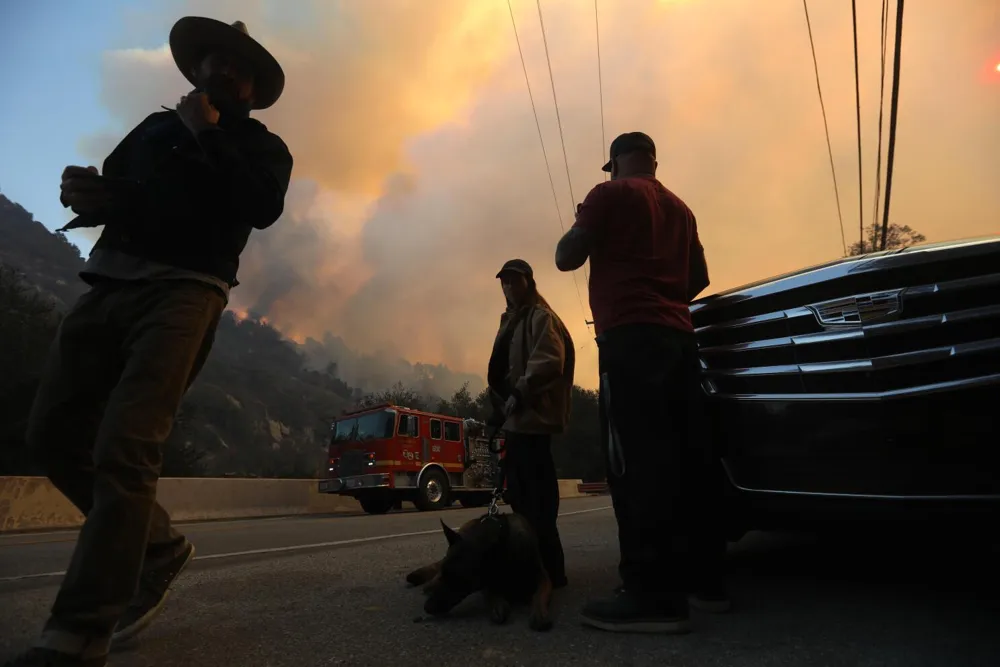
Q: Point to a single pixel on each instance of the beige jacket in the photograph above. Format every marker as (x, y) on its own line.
(541, 362)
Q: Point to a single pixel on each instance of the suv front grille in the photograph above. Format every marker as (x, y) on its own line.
(863, 347)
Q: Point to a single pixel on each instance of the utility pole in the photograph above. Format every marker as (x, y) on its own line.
(894, 106)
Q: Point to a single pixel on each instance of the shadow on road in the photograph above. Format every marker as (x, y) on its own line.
(908, 562)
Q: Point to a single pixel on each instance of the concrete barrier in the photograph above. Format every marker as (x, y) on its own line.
(32, 503)
(570, 488)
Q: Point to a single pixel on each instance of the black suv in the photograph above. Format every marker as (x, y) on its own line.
(865, 388)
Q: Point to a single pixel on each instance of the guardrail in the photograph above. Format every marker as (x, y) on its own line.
(32, 503)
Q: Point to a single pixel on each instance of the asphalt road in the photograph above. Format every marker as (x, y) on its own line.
(329, 591)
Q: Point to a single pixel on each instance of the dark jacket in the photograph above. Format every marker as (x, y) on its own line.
(191, 203)
(534, 359)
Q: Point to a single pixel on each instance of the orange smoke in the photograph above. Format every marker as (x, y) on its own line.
(418, 170)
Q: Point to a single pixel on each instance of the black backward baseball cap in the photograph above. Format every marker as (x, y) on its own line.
(517, 266)
(629, 142)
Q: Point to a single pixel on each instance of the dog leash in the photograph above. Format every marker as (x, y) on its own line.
(493, 510)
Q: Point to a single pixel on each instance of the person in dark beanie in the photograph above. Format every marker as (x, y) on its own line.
(647, 264)
(178, 199)
(530, 384)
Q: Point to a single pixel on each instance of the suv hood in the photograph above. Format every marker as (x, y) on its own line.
(847, 266)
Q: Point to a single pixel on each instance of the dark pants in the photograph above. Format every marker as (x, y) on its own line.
(122, 360)
(533, 490)
(667, 499)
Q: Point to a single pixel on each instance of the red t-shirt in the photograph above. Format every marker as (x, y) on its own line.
(642, 240)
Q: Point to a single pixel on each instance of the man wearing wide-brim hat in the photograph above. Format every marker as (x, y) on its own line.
(178, 199)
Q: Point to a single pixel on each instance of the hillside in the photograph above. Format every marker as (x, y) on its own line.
(262, 405)
(47, 259)
(256, 408)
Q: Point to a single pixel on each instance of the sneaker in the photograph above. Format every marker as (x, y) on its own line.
(154, 586)
(712, 602)
(45, 657)
(627, 612)
(559, 582)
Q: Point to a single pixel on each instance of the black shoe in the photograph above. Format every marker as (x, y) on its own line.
(628, 612)
(559, 582)
(44, 657)
(154, 586)
(711, 601)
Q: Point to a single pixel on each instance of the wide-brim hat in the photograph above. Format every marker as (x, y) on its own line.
(194, 37)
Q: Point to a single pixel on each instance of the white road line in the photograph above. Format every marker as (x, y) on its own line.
(210, 522)
(295, 547)
(40, 575)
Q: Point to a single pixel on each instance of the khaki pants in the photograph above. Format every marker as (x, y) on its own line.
(122, 360)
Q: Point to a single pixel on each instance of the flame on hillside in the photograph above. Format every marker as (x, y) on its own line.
(243, 315)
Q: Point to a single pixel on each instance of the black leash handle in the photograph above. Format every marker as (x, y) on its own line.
(501, 474)
(493, 439)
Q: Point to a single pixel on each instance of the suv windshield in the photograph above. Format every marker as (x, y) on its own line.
(365, 427)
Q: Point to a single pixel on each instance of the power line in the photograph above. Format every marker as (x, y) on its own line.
(534, 111)
(826, 127)
(552, 81)
(545, 155)
(881, 104)
(894, 108)
(555, 102)
(600, 83)
(857, 104)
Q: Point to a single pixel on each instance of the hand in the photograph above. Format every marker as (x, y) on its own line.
(197, 113)
(510, 407)
(84, 190)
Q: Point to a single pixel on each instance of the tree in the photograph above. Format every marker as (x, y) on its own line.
(397, 394)
(577, 452)
(896, 236)
(28, 322)
(463, 402)
(444, 407)
(483, 405)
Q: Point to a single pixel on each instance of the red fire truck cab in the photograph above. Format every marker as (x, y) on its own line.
(386, 454)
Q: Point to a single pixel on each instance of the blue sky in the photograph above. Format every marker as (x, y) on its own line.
(51, 51)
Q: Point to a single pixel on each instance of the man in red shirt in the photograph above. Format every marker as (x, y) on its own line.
(646, 265)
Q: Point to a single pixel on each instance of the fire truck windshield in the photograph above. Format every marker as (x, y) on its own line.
(365, 427)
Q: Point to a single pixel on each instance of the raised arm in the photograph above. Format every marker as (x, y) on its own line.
(576, 244)
(254, 174)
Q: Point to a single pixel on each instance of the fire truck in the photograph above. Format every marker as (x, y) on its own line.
(387, 454)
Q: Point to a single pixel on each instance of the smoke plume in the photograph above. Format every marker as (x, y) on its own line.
(418, 169)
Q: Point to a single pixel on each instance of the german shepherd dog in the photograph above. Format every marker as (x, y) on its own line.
(497, 555)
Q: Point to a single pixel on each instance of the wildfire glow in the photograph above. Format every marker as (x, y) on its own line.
(242, 314)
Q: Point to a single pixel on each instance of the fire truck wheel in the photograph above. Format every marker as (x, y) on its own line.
(434, 492)
(376, 504)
